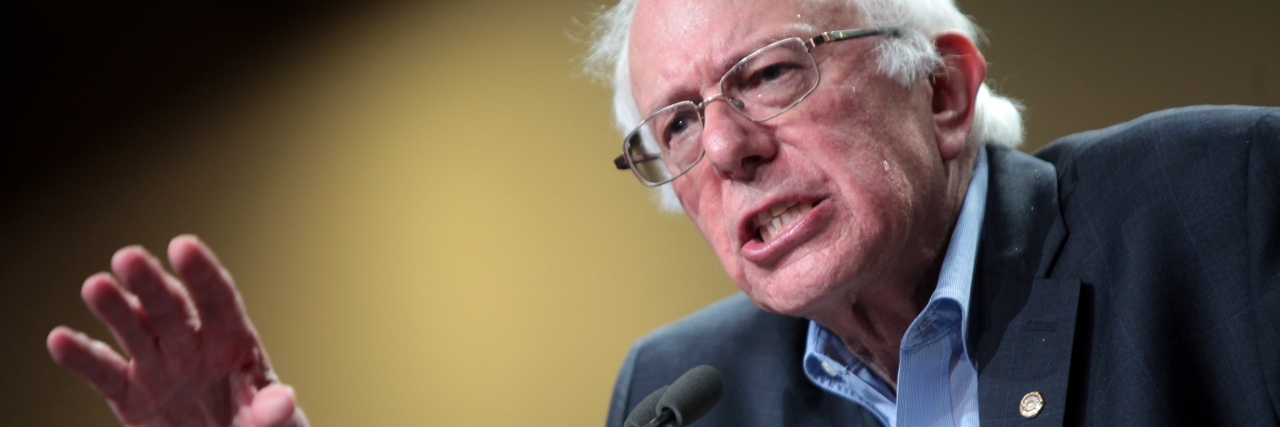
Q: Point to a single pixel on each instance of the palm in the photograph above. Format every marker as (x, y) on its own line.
(207, 389)
(195, 357)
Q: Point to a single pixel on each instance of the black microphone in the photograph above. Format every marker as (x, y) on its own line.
(689, 398)
(646, 410)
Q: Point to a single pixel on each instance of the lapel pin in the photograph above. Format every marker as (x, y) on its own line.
(1031, 404)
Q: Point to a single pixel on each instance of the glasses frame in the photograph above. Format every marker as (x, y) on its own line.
(624, 161)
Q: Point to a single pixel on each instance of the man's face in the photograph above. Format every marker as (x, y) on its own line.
(860, 151)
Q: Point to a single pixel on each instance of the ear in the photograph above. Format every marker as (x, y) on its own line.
(955, 87)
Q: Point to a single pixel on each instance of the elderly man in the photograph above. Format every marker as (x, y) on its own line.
(900, 264)
(847, 165)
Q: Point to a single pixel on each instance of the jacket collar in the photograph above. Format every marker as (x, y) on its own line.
(1021, 322)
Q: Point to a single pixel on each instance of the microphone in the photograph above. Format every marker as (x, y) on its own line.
(646, 410)
(686, 400)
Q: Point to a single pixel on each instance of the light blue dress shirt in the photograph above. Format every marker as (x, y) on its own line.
(937, 383)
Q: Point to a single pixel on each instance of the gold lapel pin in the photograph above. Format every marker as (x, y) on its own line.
(1031, 404)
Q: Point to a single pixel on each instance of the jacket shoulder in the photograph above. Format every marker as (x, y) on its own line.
(723, 325)
(759, 355)
(1177, 129)
(726, 334)
(1168, 167)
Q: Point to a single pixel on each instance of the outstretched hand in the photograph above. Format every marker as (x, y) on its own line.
(194, 357)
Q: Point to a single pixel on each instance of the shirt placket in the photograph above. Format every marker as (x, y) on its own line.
(924, 390)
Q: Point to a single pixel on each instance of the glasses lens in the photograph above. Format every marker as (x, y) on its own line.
(666, 144)
(772, 79)
(646, 160)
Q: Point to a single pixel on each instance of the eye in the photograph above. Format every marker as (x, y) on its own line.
(678, 125)
(771, 72)
(681, 127)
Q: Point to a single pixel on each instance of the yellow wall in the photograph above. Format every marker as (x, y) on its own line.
(418, 204)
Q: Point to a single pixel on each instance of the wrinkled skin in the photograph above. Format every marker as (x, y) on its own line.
(195, 360)
(886, 166)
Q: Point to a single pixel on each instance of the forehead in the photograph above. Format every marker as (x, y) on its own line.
(679, 47)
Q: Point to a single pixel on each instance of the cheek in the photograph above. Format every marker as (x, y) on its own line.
(868, 168)
(873, 135)
(872, 177)
(705, 208)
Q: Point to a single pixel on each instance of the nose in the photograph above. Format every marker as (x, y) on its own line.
(733, 144)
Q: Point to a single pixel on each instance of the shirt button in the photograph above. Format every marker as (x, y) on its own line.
(831, 369)
(927, 321)
(1031, 404)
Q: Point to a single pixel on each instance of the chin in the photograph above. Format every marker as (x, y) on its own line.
(795, 296)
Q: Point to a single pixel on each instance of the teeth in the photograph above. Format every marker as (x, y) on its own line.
(778, 217)
(763, 218)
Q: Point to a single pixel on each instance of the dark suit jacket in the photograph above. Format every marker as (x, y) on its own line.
(1131, 275)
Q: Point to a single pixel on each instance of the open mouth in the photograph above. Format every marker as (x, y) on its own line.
(778, 218)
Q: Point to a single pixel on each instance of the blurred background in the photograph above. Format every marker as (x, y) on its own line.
(416, 197)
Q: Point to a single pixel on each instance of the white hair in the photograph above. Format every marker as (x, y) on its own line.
(906, 59)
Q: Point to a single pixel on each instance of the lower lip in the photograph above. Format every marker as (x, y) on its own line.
(760, 252)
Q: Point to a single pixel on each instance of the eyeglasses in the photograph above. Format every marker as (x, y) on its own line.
(764, 84)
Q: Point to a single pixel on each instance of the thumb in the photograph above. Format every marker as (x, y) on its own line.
(276, 406)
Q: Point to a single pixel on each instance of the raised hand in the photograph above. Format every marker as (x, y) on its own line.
(194, 357)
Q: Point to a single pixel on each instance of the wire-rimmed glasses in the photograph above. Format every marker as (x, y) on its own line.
(764, 84)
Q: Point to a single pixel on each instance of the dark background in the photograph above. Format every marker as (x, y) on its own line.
(288, 132)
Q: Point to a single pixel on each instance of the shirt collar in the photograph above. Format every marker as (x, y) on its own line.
(955, 280)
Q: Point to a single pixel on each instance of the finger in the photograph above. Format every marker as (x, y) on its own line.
(276, 406)
(167, 306)
(216, 300)
(105, 370)
(123, 315)
(221, 310)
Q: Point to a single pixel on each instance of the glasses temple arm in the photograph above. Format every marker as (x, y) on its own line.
(842, 35)
(621, 161)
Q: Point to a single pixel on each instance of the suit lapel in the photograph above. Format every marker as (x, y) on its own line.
(1021, 324)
